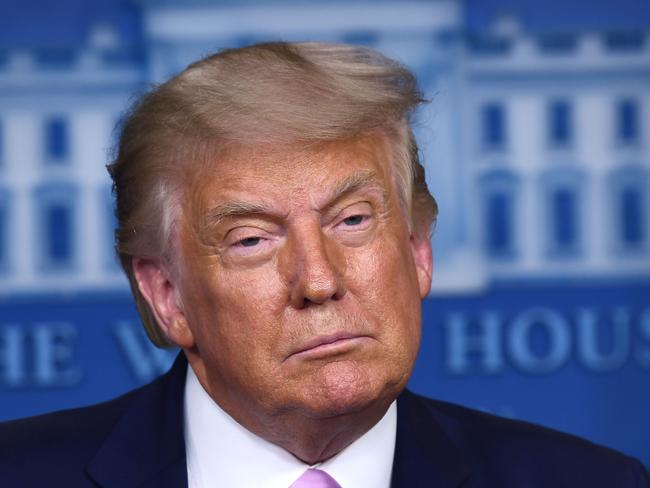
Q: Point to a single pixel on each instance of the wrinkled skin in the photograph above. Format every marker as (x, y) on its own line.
(297, 291)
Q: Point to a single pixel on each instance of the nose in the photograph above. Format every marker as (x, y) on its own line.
(313, 267)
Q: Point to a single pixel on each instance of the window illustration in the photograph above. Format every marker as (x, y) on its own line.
(565, 220)
(562, 203)
(557, 43)
(498, 190)
(56, 219)
(627, 122)
(632, 231)
(559, 124)
(56, 58)
(493, 126)
(629, 204)
(56, 140)
(483, 45)
(625, 41)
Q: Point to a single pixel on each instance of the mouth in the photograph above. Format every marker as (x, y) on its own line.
(329, 345)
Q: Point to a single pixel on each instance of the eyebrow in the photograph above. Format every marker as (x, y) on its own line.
(359, 181)
(353, 183)
(226, 210)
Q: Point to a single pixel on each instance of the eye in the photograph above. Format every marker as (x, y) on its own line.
(249, 242)
(354, 220)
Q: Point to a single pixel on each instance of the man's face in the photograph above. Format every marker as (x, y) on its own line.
(299, 282)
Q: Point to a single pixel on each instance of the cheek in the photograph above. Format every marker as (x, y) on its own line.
(385, 281)
(385, 269)
(235, 314)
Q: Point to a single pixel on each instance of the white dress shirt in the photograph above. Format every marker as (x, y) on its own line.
(222, 453)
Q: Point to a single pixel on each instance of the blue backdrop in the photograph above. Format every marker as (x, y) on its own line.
(536, 143)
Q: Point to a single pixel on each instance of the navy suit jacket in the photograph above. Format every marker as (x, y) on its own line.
(137, 440)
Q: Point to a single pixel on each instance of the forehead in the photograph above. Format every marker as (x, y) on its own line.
(275, 171)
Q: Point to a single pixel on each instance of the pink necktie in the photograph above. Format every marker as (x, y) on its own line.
(315, 478)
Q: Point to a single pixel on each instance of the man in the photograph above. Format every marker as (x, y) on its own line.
(274, 223)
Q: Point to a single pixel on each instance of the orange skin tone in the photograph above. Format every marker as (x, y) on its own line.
(296, 290)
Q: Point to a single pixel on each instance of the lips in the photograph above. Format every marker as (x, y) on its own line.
(324, 345)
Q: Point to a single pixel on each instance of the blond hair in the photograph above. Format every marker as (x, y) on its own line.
(298, 93)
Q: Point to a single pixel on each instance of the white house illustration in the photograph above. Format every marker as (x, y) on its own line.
(536, 142)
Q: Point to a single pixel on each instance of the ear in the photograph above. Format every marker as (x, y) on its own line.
(423, 257)
(162, 294)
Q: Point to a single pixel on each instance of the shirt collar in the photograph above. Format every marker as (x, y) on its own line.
(220, 452)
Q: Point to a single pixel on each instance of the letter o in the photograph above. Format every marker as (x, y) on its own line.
(559, 339)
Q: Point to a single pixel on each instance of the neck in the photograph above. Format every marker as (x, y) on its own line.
(316, 440)
(310, 438)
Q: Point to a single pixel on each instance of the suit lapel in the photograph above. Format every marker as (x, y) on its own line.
(425, 456)
(146, 448)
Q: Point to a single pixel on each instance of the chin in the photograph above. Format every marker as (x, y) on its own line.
(346, 389)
